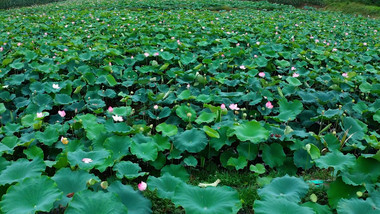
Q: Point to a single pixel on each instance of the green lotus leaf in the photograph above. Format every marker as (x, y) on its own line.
(355, 205)
(365, 171)
(128, 170)
(146, 151)
(218, 143)
(111, 80)
(2, 108)
(238, 163)
(192, 141)
(337, 160)
(8, 144)
(376, 116)
(118, 145)
(258, 168)
(122, 111)
(287, 188)
(62, 99)
(178, 171)
(30, 196)
(211, 132)
(319, 209)
(191, 161)
(96, 131)
(22, 168)
(166, 55)
(251, 131)
(289, 110)
(302, 159)
(71, 182)
(205, 118)
(165, 185)
(34, 152)
(279, 206)
(356, 128)
(338, 190)
(132, 199)
(96, 203)
(273, 154)
(49, 136)
(186, 113)
(167, 129)
(162, 142)
(248, 150)
(293, 81)
(210, 200)
(118, 128)
(88, 160)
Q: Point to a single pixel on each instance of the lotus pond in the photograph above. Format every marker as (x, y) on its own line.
(188, 107)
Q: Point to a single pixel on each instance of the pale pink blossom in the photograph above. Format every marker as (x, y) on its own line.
(334, 49)
(188, 86)
(117, 118)
(87, 160)
(296, 75)
(262, 74)
(142, 186)
(234, 107)
(19, 44)
(269, 105)
(345, 75)
(155, 107)
(62, 113)
(293, 69)
(223, 107)
(65, 50)
(365, 43)
(1, 49)
(156, 54)
(56, 86)
(40, 114)
(146, 54)
(257, 43)
(242, 67)
(110, 109)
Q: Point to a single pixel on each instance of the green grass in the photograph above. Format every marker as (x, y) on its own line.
(355, 8)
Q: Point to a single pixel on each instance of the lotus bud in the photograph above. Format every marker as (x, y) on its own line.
(189, 114)
(141, 129)
(104, 184)
(359, 194)
(334, 132)
(91, 182)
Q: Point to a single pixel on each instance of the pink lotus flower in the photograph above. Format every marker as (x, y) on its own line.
(242, 67)
(146, 54)
(155, 107)
(269, 105)
(87, 160)
(62, 113)
(296, 75)
(117, 118)
(156, 54)
(257, 43)
(223, 107)
(40, 115)
(234, 107)
(334, 49)
(293, 69)
(142, 186)
(19, 44)
(65, 50)
(345, 75)
(365, 43)
(110, 109)
(1, 49)
(262, 74)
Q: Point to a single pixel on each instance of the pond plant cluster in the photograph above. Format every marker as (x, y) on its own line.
(106, 103)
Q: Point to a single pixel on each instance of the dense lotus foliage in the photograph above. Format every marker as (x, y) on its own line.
(102, 101)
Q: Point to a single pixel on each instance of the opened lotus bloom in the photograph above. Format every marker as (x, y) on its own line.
(87, 160)
(142, 186)
(62, 113)
(262, 74)
(269, 105)
(40, 115)
(56, 86)
(117, 118)
(234, 107)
